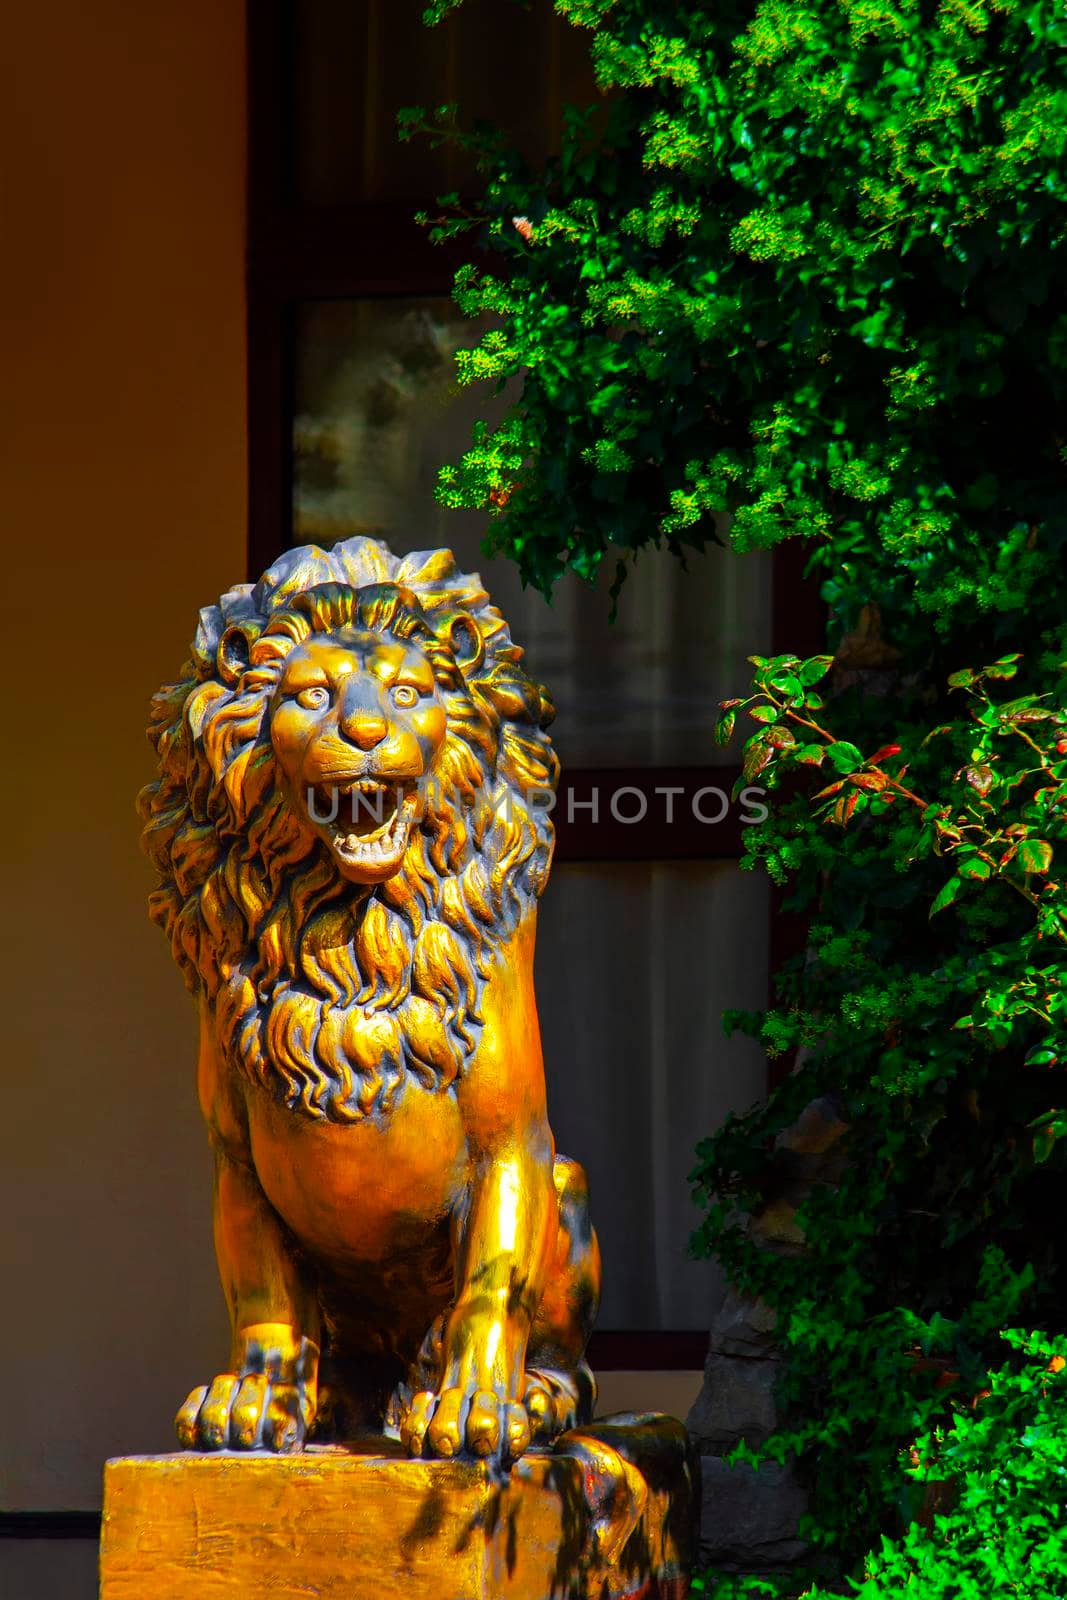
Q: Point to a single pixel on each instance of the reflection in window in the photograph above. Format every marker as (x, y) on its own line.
(377, 412)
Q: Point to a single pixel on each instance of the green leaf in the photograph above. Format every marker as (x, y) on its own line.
(1034, 855)
(973, 867)
(948, 893)
(1049, 1127)
(814, 668)
(844, 757)
(724, 728)
(1023, 710)
(764, 713)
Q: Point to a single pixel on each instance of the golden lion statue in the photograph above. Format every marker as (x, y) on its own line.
(351, 830)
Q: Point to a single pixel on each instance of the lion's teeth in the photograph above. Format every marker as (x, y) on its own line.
(380, 846)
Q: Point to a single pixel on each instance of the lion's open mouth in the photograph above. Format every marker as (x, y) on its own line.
(367, 821)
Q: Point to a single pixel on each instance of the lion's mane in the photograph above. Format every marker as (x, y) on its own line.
(330, 994)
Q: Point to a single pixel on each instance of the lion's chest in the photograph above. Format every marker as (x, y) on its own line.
(365, 1190)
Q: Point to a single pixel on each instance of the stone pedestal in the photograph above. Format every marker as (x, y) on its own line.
(366, 1523)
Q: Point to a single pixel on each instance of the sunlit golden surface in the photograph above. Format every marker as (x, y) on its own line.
(351, 833)
(368, 1524)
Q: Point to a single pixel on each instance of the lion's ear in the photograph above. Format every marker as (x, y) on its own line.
(231, 657)
(466, 643)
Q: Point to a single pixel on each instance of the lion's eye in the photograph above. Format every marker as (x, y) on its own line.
(405, 695)
(313, 699)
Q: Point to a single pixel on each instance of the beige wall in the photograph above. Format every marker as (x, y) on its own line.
(122, 490)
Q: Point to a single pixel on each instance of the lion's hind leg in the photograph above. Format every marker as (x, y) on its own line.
(560, 1387)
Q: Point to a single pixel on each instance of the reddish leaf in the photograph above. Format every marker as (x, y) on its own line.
(809, 755)
(884, 753)
(980, 779)
(844, 808)
(758, 754)
(872, 781)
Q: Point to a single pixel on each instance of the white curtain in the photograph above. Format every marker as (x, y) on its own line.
(635, 965)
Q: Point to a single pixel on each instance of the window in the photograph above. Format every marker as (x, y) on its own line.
(649, 928)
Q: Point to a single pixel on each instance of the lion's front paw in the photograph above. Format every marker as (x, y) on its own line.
(554, 1401)
(256, 1412)
(458, 1421)
(473, 1421)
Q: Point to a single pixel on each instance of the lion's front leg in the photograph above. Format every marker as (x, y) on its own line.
(267, 1398)
(506, 1236)
(267, 1402)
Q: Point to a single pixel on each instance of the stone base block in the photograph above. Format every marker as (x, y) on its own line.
(609, 1513)
(750, 1517)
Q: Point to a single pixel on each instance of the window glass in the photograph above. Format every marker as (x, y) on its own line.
(635, 965)
(356, 66)
(377, 412)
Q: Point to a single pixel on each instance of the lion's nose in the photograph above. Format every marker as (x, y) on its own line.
(364, 728)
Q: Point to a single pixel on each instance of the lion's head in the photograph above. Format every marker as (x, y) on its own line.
(350, 819)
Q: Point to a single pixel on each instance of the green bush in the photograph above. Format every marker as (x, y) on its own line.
(805, 267)
(802, 273)
(1007, 1467)
(1001, 1470)
(931, 1003)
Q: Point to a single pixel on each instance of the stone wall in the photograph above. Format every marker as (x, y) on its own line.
(750, 1516)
